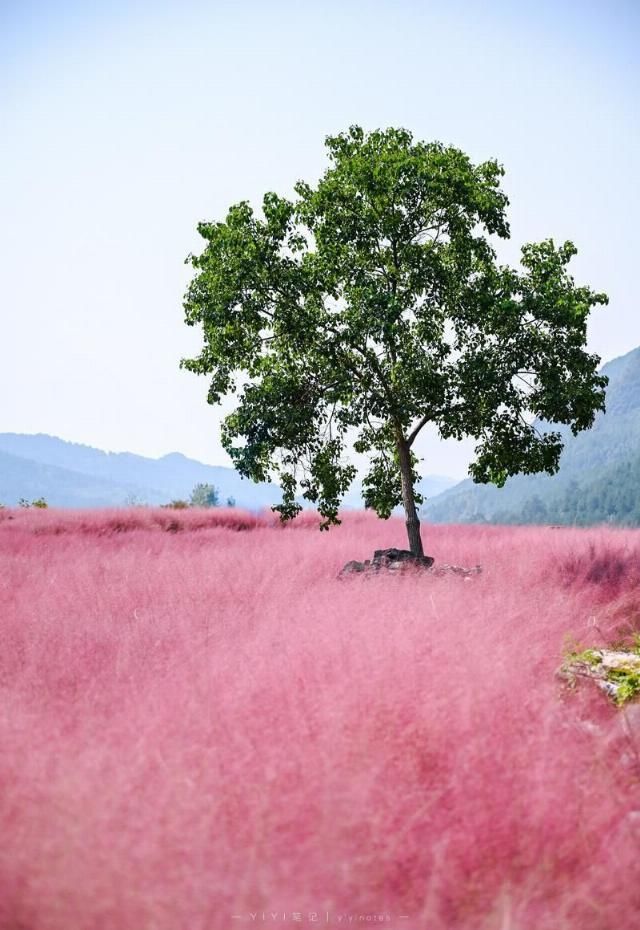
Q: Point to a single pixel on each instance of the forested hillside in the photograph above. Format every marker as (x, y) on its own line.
(598, 481)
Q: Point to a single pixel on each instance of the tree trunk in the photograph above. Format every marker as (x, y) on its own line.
(408, 500)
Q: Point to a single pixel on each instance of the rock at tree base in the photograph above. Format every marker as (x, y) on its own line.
(398, 558)
(401, 555)
(399, 561)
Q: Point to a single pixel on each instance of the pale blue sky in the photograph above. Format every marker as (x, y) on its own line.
(124, 123)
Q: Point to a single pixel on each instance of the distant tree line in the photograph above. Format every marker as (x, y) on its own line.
(202, 495)
(611, 497)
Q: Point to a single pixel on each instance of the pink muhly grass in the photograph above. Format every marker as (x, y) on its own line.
(199, 721)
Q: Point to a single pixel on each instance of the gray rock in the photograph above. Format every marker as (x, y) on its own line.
(393, 557)
(605, 667)
(399, 561)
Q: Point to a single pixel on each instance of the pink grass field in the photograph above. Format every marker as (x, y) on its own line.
(202, 728)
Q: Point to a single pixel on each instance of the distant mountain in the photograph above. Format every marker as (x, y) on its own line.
(429, 487)
(598, 480)
(62, 487)
(69, 474)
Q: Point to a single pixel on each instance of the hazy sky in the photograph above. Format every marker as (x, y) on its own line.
(123, 124)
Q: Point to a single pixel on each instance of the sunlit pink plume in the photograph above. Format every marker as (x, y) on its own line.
(200, 723)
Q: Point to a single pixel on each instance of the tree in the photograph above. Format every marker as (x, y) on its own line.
(204, 495)
(534, 510)
(39, 503)
(134, 500)
(373, 303)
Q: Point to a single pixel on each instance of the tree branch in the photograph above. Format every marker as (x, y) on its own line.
(414, 432)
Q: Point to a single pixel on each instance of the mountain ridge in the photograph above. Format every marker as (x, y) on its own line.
(71, 474)
(608, 453)
(112, 478)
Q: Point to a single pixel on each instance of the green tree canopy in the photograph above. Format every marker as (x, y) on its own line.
(372, 304)
(204, 495)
